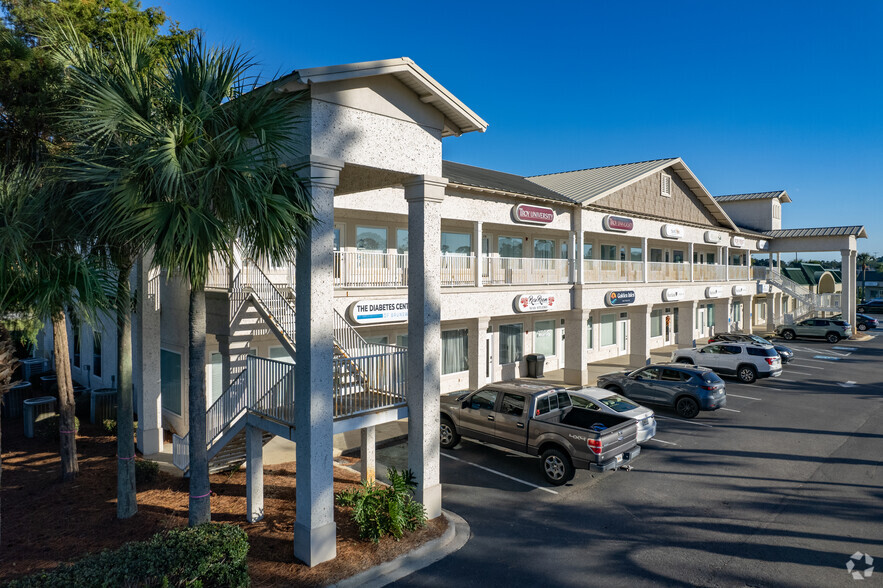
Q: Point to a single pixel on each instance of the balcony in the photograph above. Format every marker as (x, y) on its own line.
(668, 272)
(599, 271)
(504, 271)
(738, 272)
(709, 273)
(370, 269)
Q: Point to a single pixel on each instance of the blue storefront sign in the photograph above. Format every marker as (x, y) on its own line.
(619, 297)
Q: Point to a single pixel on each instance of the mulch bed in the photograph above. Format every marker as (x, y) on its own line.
(46, 522)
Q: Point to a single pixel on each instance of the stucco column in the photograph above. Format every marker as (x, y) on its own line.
(478, 253)
(687, 324)
(639, 350)
(645, 259)
(770, 312)
(722, 315)
(478, 375)
(748, 314)
(580, 245)
(850, 287)
(146, 337)
(367, 464)
(690, 259)
(314, 528)
(424, 195)
(778, 260)
(576, 353)
(254, 470)
(725, 254)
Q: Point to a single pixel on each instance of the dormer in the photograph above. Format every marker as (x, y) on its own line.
(760, 211)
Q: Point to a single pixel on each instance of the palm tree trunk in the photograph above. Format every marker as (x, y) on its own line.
(127, 504)
(66, 423)
(200, 502)
(8, 363)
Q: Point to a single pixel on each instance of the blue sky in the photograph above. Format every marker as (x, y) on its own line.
(754, 96)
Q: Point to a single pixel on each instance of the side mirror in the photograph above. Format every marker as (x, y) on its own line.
(466, 404)
(639, 377)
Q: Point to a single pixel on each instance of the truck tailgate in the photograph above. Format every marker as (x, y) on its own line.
(617, 439)
(620, 434)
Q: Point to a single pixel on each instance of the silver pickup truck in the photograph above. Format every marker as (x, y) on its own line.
(540, 420)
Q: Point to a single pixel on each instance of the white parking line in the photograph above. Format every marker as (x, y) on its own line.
(730, 409)
(747, 397)
(808, 367)
(661, 441)
(481, 467)
(793, 372)
(684, 421)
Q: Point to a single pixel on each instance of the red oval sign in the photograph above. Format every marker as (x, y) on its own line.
(537, 215)
(618, 223)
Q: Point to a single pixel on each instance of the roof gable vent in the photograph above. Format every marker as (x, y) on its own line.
(665, 184)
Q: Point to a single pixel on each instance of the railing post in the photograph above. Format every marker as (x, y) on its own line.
(479, 241)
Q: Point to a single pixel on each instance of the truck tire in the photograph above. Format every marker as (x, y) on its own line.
(448, 436)
(686, 360)
(832, 337)
(686, 407)
(788, 334)
(860, 309)
(557, 467)
(747, 374)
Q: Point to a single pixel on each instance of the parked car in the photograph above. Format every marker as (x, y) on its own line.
(831, 330)
(873, 305)
(863, 322)
(786, 353)
(540, 420)
(592, 398)
(746, 361)
(685, 388)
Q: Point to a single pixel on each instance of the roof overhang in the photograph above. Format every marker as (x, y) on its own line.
(459, 118)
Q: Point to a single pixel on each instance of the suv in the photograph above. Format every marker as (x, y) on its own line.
(747, 361)
(873, 305)
(863, 322)
(832, 330)
(688, 389)
(786, 353)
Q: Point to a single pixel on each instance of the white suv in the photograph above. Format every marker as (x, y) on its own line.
(746, 361)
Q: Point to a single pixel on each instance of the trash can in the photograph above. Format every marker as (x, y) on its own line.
(35, 410)
(103, 405)
(12, 400)
(535, 362)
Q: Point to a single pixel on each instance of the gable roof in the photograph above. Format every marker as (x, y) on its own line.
(460, 118)
(796, 275)
(782, 195)
(488, 179)
(587, 186)
(855, 231)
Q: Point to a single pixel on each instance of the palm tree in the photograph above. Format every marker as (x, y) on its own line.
(197, 169)
(864, 262)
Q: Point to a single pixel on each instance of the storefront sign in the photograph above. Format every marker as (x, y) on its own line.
(740, 290)
(369, 312)
(673, 294)
(535, 215)
(738, 241)
(762, 245)
(672, 232)
(714, 292)
(534, 302)
(712, 237)
(763, 288)
(620, 224)
(619, 298)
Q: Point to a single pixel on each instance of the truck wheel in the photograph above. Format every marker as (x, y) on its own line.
(747, 374)
(448, 436)
(557, 467)
(788, 334)
(686, 360)
(833, 337)
(860, 309)
(687, 407)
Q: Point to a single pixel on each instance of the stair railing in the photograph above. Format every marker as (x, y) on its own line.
(280, 308)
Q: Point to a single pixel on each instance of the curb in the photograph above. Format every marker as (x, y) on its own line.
(452, 540)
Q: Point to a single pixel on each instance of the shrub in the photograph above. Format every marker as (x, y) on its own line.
(48, 428)
(208, 555)
(146, 471)
(110, 427)
(385, 510)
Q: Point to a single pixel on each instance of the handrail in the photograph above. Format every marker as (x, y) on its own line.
(278, 306)
(386, 387)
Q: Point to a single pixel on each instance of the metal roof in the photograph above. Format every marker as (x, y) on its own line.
(796, 275)
(856, 231)
(488, 179)
(459, 118)
(587, 186)
(780, 194)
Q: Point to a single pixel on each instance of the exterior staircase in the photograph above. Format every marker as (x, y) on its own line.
(807, 302)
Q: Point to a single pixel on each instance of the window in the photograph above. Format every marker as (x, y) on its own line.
(671, 375)
(217, 375)
(563, 249)
(402, 240)
(337, 238)
(762, 351)
(675, 321)
(483, 400)
(608, 252)
(637, 254)
(677, 256)
(455, 351)
(279, 354)
(75, 336)
(737, 311)
(608, 329)
(711, 349)
(170, 380)
(456, 243)
(777, 209)
(580, 402)
(656, 255)
(402, 341)
(665, 184)
(587, 251)
(656, 323)
(377, 340)
(590, 334)
(544, 337)
(649, 374)
(510, 247)
(622, 253)
(96, 353)
(371, 239)
(512, 404)
(731, 350)
(711, 315)
(709, 258)
(510, 342)
(543, 248)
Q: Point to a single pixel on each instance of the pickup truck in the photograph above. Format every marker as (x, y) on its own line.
(540, 420)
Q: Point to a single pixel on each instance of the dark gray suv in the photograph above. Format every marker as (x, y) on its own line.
(687, 389)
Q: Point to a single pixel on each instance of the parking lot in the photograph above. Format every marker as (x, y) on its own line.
(780, 488)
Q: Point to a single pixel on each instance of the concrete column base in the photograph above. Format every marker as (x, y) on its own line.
(367, 465)
(638, 360)
(576, 377)
(254, 469)
(150, 441)
(431, 498)
(316, 545)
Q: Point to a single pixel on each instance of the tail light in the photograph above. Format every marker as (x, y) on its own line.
(595, 446)
(709, 388)
(770, 360)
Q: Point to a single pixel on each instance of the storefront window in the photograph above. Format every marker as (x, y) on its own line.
(510, 247)
(456, 243)
(543, 248)
(608, 252)
(710, 314)
(402, 240)
(170, 380)
(677, 256)
(675, 321)
(371, 239)
(563, 249)
(656, 323)
(737, 311)
(455, 351)
(656, 255)
(709, 258)
(511, 342)
(608, 329)
(637, 254)
(587, 251)
(590, 334)
(544, 337)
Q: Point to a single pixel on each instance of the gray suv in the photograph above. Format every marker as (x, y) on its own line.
(832, 330)
(687, 389)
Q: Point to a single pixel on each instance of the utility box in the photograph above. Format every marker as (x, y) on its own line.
(535, 363)
(12, 400)
(103, 405)
(35, 410)
(32, 366)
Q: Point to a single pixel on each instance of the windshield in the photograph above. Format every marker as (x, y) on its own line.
(760, 340)
(618, 403)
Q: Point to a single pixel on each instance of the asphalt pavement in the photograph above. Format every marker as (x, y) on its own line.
(780, 489)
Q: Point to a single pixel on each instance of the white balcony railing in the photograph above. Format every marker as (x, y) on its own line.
(709, 273)
(526, 270)
(369, 269)
(738, 272)
(457, 270)
(668, 272)
(597, 271)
